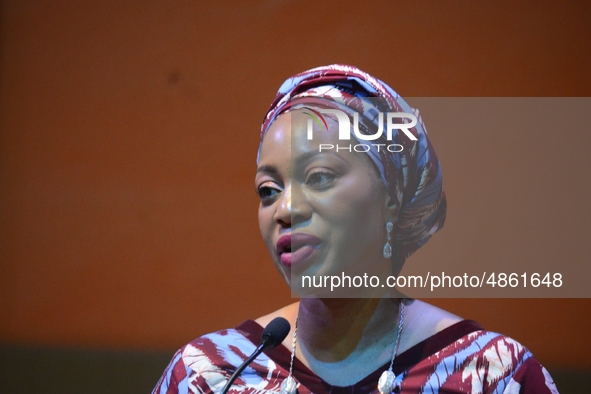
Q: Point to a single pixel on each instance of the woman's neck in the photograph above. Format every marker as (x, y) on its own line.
(332, 330)
(344, 340)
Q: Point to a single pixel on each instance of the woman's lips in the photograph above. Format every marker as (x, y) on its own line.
(296, 248)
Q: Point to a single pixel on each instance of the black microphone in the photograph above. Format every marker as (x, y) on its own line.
(273, 335)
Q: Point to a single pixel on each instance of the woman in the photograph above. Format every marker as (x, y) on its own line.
(333, 205)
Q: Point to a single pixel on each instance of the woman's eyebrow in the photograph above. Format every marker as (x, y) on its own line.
(305, 157)
(269, 169)
(301, 159)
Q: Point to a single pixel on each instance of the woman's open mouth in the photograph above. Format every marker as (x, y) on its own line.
(296, 248)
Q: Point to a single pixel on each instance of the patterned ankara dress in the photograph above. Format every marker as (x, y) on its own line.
(462, 358)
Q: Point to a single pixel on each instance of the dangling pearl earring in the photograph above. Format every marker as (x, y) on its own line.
(387, 246)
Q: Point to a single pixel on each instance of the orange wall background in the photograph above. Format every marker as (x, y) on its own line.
(128, 134)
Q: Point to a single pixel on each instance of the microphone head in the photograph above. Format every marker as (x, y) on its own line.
(275, 332)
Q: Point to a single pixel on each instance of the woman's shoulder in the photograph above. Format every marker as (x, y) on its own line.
(463, 354)
(207, 362)
(486, 361)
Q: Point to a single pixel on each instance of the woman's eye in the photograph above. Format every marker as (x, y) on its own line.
(267, 192)
(320, 179)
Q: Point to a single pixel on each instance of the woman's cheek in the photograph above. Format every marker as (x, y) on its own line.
(265, 224)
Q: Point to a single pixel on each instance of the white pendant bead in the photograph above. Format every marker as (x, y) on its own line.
(386, 382)
(289, 386)
(387, 251)
(389, 227)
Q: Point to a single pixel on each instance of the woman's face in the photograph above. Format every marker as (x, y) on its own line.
(321, 213)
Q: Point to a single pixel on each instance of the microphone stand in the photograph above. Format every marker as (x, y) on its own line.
(265, 342)
(273, 335)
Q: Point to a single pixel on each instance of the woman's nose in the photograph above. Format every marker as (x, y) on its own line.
(292, 207)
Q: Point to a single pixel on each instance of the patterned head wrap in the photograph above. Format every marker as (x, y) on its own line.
(412, 177)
